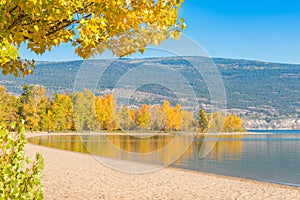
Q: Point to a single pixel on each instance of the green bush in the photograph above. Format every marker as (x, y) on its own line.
(20, 177)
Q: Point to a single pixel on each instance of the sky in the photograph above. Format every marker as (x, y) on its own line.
(265, 30)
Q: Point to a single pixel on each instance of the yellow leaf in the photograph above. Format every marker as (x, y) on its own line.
(36, 28)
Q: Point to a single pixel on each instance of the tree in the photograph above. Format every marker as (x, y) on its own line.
(173, 117)
(105, 108)
(187, 119)
(125, 118)
(158, 118)
(33, 106)
(232, 123)
(8, 108)
(202, 121)
(216, 121)
(168, 113)
(92, 26)
(78, 105)
(85, 117)
(143, 119)
(61, 113)
(176, 117)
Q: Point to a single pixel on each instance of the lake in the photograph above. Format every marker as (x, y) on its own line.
(265, 156)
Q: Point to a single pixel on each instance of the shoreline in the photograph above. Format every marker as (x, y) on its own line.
(34, 134)
(73, 175)
(294, 186)
(239, 178)
(264, 181)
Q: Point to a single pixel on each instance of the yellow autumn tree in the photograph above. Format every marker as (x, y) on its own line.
(232, 123)
(173, 116)
(105, 108)
(168, 113)
(33, 107)
(123, 27)
(8, 108)
(61, 113)
(176, 118)
(143, 118)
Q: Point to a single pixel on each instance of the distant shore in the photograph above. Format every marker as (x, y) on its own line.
(33, 134)
(70, 175)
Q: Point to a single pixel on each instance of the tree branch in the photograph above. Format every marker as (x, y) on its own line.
(68, 23)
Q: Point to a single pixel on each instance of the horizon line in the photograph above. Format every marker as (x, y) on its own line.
(140, 58)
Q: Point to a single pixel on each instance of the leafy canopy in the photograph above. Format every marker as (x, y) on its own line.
(121, 26)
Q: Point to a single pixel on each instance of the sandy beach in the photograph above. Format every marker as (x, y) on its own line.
(70, 175)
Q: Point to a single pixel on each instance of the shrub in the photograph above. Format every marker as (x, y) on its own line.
(20, 177)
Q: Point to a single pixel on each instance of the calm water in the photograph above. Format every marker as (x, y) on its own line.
(271, 157)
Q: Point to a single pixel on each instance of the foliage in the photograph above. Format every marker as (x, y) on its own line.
(158, 118)
(232, 123)
(92, 26)
(220, 123)
(60, 115)
(187, 121)
(106, 112)
(8, 108)
(143, 118)
(125, 118)
(20, 177)
(85, 111)
(216, 121)
(202, 121)
(34, 107)
(173, 117)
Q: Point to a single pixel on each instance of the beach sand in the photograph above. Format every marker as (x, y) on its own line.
(70, 175)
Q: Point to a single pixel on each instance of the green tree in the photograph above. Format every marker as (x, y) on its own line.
(122, 27)
(85, 117)
(158, 118)
(124, 118)
(216, 121)
(187, 119)
(202, 121)
(79, 110)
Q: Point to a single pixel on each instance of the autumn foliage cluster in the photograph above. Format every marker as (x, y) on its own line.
(85, 111)
(91, 26)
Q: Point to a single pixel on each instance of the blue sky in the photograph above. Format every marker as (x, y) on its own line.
(260, 30)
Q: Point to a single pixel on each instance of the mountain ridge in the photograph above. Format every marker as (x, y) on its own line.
(255, 89)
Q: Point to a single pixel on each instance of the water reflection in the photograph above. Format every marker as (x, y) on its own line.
(105, 146)
(268, 157)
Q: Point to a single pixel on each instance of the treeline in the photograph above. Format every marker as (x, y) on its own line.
(85, 111)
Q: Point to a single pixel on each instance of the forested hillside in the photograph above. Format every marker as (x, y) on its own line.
(254, 89)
